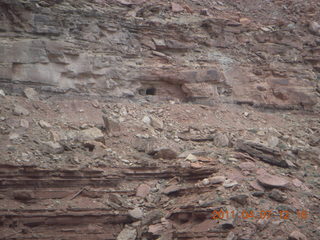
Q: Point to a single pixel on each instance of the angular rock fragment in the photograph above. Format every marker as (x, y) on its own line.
(23, 195)
(91, 134)
(44, 124)
(277, 195)
(2, 93)
(24, 123)
(221, 140)
(156, 123)
(19, 110)
(217, 179)
(165, 153)
(111, 124)
(31, 94)
(296, 235)
(247, 166)
(128, 233)
(146, 120)
(171, 189)
(230, 183)
(240, 198)
(136, 213)
(143, 190)
(314, 28)
(14, 136)
(54, 147)
(176, 7)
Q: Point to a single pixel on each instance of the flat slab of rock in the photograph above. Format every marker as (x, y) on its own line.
(272, 181)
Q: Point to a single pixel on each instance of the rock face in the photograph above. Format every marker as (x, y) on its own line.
(165, 49)
(123, 119)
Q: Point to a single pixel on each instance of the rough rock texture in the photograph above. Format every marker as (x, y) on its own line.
(167, 120)
(237, 52)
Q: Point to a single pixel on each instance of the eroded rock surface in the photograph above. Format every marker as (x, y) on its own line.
(171, 120)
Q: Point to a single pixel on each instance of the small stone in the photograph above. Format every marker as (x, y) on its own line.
(230, 183)
(229, 224)
(195, 165)
(277, 195)
(143, 190)
(247, 166)
(146, 120)
(314, 28)
(256, 186)
(54, 147)
(205, 181)
(95, 104)
(176, 7)
(272, 181)
(273, 141)
(245, 21)
(19, 110)
(111, 124)
(296, 182)
(143, 136)
(2, 93)
(24, 123)
(156, 229)
(204, 12)
(91, 134)
(231, 236)
(217, 179)
(159, 54)
(14, 136)
(136, 213)
(241, 199)
(296, 235)
(44, 124)
(258, 194)
(127, 233)
(156, 123)
(221, 140)
(165, 153)
(262, 224)
(191, 158)
(31, 94)
(171, 189)
(23, 195)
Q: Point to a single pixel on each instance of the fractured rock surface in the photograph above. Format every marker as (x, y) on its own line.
(171, 120)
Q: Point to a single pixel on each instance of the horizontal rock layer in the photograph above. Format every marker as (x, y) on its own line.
(117, 48)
